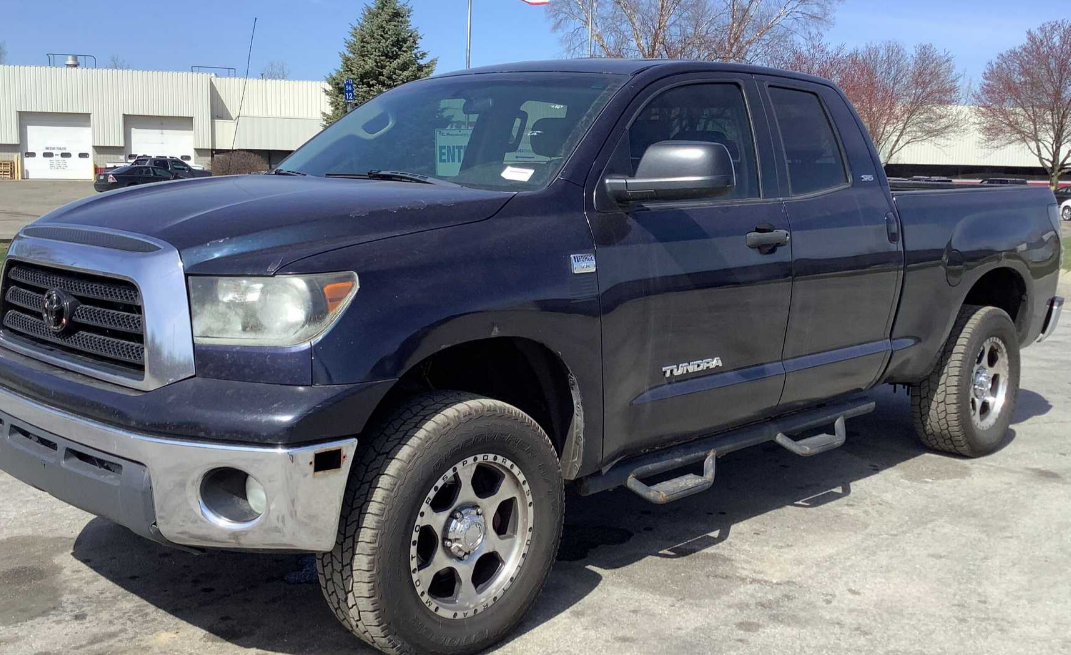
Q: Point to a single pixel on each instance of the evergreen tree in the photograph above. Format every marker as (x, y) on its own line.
(382, 51)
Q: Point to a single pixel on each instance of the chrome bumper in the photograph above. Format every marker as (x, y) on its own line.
(1052, 317)
(136, 479)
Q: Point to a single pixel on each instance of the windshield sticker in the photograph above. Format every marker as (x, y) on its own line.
(517, 174)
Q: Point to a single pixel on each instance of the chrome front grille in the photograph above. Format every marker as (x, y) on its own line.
(105, 324)
(127, 314)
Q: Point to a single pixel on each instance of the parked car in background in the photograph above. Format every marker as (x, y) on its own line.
(125, 176)
(173, 164)
(1063, 196)
(1003, 180)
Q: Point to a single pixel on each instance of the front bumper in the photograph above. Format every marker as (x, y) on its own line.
(153, 485)
(1052, 317)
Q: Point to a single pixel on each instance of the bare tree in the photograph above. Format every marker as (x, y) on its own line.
(1025, 97)
(3, 52)
(118, 63)
(904, 97)
(238, 162)
(275, 70)
(750, 31)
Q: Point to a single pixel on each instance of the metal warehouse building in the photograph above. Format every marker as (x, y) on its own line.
(61, 122)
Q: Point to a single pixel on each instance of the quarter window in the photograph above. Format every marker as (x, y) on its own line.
(715, 113)
(812, 152)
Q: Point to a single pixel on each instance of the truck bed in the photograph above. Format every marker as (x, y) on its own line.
(951, 235)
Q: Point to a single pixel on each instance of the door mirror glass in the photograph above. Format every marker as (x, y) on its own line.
(677, 170)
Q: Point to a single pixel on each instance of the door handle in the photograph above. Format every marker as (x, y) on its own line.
(892, 228)
(766, 240)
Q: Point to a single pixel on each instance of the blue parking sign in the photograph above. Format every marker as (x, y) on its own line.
(347, 90)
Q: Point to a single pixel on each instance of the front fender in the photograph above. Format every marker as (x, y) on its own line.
(509, 276)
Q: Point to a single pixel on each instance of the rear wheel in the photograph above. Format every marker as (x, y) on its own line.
(1065, 213)
(966, 404)
(449, 527)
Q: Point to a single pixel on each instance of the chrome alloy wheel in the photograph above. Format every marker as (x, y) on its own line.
(1066, 213)
(989, 383)
(471, 536)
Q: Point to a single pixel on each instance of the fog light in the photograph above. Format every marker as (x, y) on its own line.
(230, 496)
(254, 495)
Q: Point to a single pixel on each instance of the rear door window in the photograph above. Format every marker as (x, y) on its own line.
(811, 148)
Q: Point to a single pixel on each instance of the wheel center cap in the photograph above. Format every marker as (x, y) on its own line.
(465, 531)
(981, 384)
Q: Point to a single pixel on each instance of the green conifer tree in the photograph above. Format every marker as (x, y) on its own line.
(382, 51)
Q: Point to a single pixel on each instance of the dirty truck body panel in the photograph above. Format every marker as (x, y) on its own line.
(660, 319)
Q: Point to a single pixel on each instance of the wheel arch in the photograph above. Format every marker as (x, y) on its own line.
(1005, 288)
(520, 371)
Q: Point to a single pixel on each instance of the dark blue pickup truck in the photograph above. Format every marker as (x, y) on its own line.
(398, 348)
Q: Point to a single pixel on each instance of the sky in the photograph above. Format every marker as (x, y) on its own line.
(308, 34)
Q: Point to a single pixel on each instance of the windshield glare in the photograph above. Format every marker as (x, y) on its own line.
(490, 131)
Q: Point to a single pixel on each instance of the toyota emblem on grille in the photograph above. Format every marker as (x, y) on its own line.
(59, 306)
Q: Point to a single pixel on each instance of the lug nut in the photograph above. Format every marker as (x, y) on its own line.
(479, 512)
(457, 515)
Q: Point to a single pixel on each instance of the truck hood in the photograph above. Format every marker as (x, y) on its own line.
(256, 224)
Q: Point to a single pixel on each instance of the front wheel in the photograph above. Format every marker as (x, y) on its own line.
(449, 527)
(966, 404)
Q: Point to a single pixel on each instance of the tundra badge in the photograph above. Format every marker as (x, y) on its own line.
(673, 370)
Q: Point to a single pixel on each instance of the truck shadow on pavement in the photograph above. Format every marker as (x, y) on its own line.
(272, 603)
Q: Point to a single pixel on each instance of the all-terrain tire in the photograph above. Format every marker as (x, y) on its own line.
(366, 577)
(941, 403)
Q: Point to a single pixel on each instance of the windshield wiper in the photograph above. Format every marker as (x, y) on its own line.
(283, 171)
(397, 176)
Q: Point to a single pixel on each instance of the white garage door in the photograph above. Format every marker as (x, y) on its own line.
(56, 146)
(159, 136)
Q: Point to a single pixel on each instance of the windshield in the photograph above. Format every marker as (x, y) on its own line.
(490, 131)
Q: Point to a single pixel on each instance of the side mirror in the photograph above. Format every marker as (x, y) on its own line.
(677, 170)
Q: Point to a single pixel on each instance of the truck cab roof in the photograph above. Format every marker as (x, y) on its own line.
(630, 67)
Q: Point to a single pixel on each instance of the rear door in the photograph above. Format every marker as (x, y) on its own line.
(846, 254)
(693, 319)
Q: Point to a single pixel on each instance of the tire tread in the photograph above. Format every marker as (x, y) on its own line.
(377, 472)
(935, 407)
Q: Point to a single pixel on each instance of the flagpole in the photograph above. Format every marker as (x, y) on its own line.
(591, 20)
(468, 38)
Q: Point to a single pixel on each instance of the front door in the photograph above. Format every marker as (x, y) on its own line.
(847, 256)
(693, 318)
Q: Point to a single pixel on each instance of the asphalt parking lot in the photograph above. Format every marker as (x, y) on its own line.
(23, 201)
(878, 547)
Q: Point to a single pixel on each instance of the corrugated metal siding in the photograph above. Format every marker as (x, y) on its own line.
(268, 98)
(969, 148)
(107, 95)
(261, 133)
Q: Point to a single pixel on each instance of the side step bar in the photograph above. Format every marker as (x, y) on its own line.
(631, 472)
(819, 443)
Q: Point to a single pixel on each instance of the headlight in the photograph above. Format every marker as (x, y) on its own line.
(267, 311)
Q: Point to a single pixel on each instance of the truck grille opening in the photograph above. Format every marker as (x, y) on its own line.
(104, 320)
